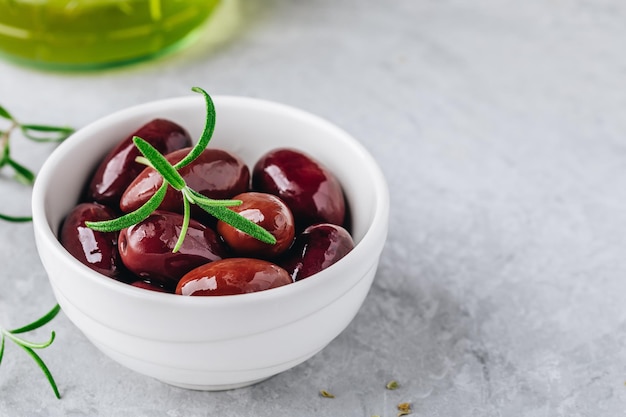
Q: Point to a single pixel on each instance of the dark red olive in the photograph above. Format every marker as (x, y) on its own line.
(119, 167)
(150, 285)
(316, 248)
(233, 276)
(146, 248)
(269, 212)
(312, 192)
(97, 250)
(215, 173)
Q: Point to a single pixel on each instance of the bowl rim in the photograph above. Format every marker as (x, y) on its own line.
(377, 228)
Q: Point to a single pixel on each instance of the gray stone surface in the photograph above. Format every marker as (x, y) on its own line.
(501, 128)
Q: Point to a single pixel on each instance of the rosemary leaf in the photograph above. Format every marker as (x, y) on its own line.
(133, 217)
(44, 368)
(1, 346)
(209, 127)
(31, 345)
(22, 174)
(14, 219)
(143, 161)
(185, 226)
(209, 201)
(238, 221)
(39, 322)
(6, 153)
(45, 133)
(160, 164)
(4, 113)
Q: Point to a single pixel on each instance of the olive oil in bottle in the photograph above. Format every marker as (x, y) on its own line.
(69, 34)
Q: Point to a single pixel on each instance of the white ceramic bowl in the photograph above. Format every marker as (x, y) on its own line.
(213, 343)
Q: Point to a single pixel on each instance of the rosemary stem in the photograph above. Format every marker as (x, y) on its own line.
(4, 138)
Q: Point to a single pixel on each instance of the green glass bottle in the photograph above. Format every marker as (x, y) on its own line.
(81, 34)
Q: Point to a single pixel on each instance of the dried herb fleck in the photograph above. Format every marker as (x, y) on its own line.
(326, 394)
(404, 409)
(391, 385)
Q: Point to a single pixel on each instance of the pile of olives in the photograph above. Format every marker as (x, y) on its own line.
(288, 193)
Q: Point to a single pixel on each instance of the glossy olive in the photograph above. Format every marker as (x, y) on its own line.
(97, 250)
(119, 168)
(150, 285)
(312, 192)
(146, 248)
(215, 173)
(269, 212)
(232, 276)
(316, 248)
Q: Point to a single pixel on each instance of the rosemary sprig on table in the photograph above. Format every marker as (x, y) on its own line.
(36, 133)
(33, 132)
(30, 347)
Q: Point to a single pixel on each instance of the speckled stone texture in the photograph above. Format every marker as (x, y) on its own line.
(501, 128)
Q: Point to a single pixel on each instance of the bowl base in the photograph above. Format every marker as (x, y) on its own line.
(220, 387)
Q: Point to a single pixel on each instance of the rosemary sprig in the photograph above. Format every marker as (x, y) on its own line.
(37, 133)
(15, 219)
(34, 132)
(43, 133)
(172, 178)
(30, 347)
